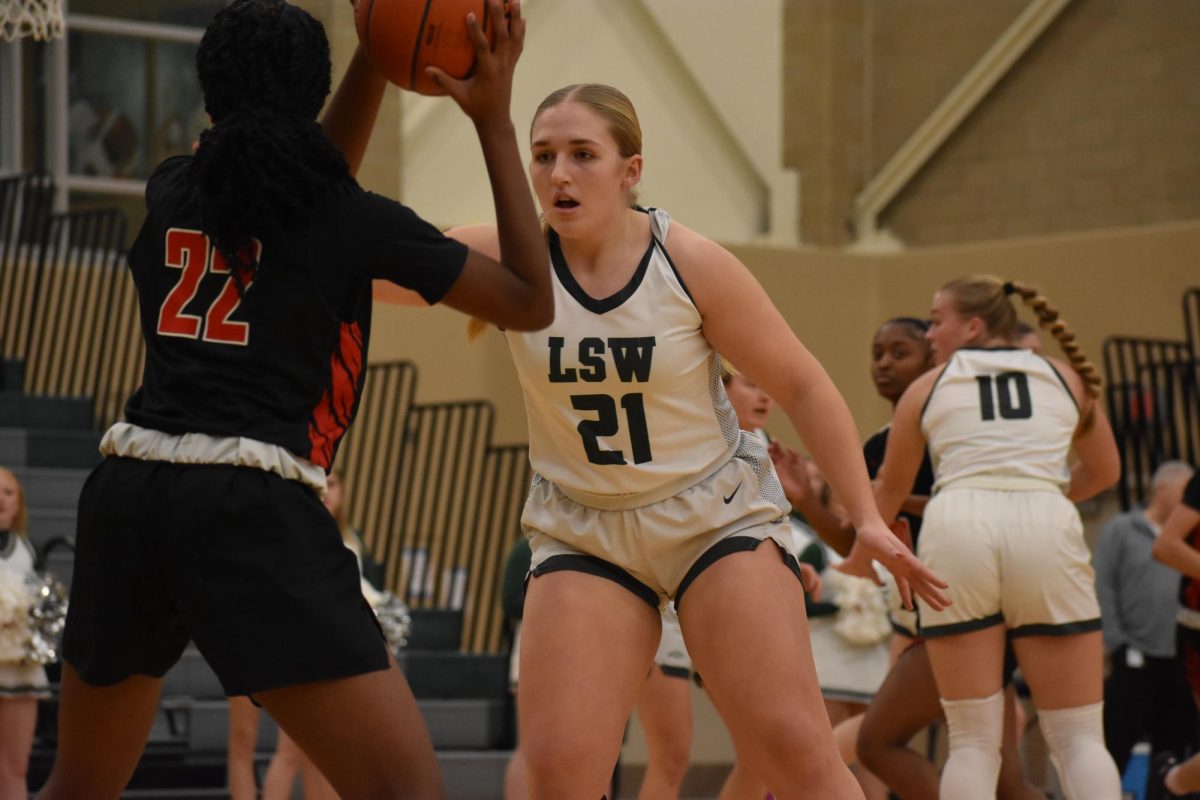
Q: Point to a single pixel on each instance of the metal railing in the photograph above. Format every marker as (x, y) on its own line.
(1153, 400)
(439, 505)
(83, 336)
(68, 311)
(26, 202)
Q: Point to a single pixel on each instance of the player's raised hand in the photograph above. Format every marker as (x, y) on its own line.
(485, 95)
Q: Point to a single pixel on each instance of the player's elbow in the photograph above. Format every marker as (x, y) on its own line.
(1110, 473)
(532, 316)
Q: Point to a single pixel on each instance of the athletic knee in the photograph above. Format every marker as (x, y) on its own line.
(871, 746)
(976, 730)
(976, 723)
(1066, 728)
(1075, 738)
(556, 766)
(670, 760)
(242, 739)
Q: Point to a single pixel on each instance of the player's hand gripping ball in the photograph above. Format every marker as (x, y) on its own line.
(403, 37)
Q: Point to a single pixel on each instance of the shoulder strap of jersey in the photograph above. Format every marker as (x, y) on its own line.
(660, 223)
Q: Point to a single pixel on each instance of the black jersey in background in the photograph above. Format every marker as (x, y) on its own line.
(281, 362)
(1189, 588)
(873, 450)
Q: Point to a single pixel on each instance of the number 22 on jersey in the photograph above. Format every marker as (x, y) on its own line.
(193, 254)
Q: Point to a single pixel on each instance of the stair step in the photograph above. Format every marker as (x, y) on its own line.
(473, 775)
(12, 374)
(191, 676)
(435, 629)
(437, 674)
(39, 447)
(474, 725)
(461, 724)
(51, 487)
(20, 410)
(61, 564)
(207, 725)
(50, 523)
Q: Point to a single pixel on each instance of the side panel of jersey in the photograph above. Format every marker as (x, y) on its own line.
(623, 395)
(999, 412)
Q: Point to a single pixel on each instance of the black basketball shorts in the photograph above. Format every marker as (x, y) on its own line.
(247, 564)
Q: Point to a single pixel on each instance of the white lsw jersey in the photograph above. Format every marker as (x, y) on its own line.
(1000, 411)
(624, 394)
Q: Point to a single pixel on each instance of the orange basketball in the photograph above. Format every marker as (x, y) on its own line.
(402, 37)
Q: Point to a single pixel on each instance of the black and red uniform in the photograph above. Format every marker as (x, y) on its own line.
(243, 560)
(1189, 599)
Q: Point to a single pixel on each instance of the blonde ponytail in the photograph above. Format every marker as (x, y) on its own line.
(1049, 320)
(476, 327)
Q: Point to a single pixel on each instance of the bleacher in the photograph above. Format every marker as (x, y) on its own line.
(1153, 399)
(437, 500)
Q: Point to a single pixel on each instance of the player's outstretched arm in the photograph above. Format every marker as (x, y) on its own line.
(741, 322)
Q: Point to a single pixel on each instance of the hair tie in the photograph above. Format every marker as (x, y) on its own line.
(1009, 288)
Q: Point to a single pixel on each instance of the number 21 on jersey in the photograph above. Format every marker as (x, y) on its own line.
(193, 254)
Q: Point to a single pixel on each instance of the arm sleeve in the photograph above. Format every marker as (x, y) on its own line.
(388, 240)
(1106, 562)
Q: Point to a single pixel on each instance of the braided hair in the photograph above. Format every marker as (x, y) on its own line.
(265, 164)
(987, 297)
(1049, 320)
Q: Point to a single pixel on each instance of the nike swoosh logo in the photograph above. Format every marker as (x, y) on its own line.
(729, 499)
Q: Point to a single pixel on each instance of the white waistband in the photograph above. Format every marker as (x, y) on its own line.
(1007, 483)
(1188, 618)
(130, 441)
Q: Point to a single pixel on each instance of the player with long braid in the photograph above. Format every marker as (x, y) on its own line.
(253, 271)
(1003, 529)
(908, 701)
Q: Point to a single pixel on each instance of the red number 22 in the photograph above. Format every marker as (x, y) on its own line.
(192, 253)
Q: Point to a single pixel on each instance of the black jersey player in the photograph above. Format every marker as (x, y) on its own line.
(254, 270)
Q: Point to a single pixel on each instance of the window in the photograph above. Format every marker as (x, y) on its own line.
(100, 108)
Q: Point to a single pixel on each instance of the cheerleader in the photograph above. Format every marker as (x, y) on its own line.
(21, 684)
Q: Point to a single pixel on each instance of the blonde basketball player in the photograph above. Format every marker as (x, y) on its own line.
(646, 490)
(1002, 529)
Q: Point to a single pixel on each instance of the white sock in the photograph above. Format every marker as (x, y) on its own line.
(1075, 737)
(976, 728)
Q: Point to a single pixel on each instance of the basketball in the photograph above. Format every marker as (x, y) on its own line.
(403, 37)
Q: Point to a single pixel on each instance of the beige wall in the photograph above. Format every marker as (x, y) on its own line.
(1126, 281)
(1096, 126)
(904, 88)
(1093, 127)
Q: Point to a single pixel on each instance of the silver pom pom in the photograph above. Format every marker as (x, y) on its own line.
(47, 616)
(394, 619)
